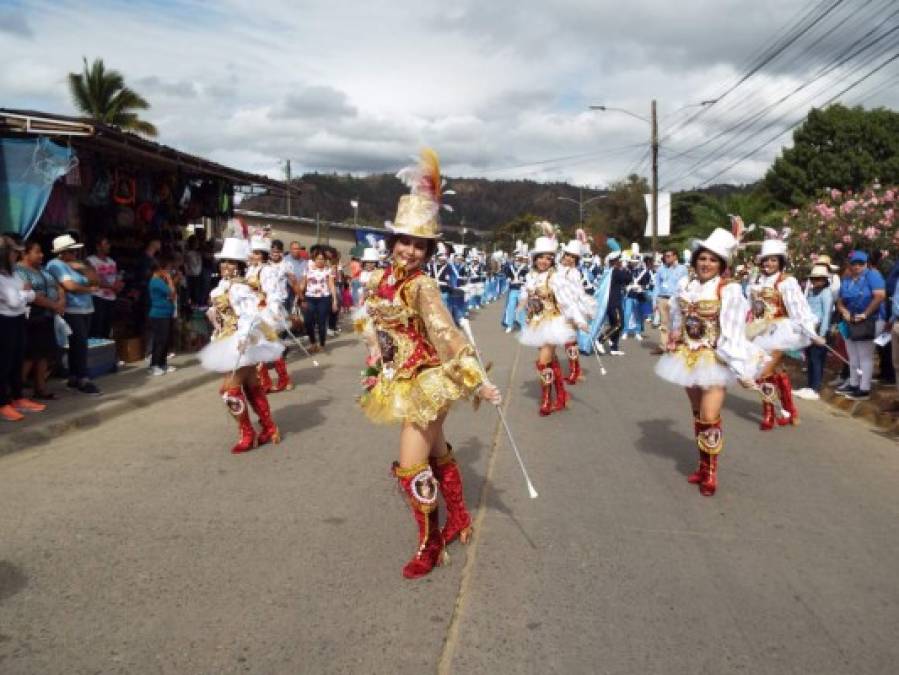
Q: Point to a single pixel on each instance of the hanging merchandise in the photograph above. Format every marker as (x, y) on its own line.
(99, 194)
(125, 189)
(124, 216)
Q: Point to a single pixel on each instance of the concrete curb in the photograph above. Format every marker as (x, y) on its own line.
(102, 411)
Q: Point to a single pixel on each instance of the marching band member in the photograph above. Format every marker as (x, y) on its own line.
(241, 340)
(707, 347)
(569, 268)
(555, 311)
(781, 320)
(515, 272)
(419, 363)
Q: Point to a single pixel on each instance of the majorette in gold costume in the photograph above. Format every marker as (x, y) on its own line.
(707, 348)
(241, 340)
(419, 363)
(781, 320)
(557, 307)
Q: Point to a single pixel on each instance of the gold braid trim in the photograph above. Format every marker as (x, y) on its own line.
(711, 440)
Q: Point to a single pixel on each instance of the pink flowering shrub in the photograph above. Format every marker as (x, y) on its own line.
(839, 222)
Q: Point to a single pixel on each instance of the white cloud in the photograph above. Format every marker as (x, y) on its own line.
(498, 88)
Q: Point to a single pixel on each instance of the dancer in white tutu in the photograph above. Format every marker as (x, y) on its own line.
(555, 312)
(241, 340)
(781, 321)
(265, 277)
(569, 268)
(707, 347)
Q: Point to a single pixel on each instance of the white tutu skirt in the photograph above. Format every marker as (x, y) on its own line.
(556, 331)
(778, 335)
(698, 369)
(220, 356)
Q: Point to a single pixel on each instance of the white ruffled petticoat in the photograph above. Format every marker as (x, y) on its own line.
(707, 371)
(556, 331)
(780, 335)
(221, 355)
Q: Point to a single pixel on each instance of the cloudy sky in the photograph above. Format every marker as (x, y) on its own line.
(499, 88)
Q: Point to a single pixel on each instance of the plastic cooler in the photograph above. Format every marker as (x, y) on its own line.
(101, 357)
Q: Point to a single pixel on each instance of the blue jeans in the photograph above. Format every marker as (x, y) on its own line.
(815, 356)
(316, 315)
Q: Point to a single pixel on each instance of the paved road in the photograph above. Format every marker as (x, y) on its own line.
(142, 546)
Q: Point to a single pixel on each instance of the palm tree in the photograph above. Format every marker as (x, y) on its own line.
(102, 95)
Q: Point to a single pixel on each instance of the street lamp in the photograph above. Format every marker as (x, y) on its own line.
(581, 203)
(355, 204)
(653, 122)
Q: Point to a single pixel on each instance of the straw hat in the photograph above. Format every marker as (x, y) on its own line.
(825, 260)
(234, 249)
(819, 272)
(65, 242)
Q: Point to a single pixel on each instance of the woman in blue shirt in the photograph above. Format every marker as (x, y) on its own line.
(860, 296)
(161, 291)
(820, 301)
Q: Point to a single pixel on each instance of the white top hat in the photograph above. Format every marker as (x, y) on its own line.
(720, 242)
(234, 249)
(65, 242)
(370, 255)
(574, 247)
(258, 243)
(544, 245)
(776, 247)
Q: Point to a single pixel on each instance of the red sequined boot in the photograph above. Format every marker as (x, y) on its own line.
(237, 406)
(710, 441)
(284, 381)
(768, 415)
(575, 374)
(265, 380)
(785, 389)
(257, 398)
(449, 478)
(546, 383)
(559, 381)
(702, 470)
(420, 487)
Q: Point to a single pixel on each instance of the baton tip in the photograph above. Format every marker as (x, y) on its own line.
(532, 493)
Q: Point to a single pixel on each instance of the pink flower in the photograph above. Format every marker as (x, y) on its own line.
(794, 212)
(870, 232)
(835, 194)
(889, 196)
(848, 207)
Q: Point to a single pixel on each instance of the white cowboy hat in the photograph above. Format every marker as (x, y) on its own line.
(720, 242)
(65, 242)
(234, 249)
(776, 247)
(260, 244)
(574, 247)
(370, 255)
(544, 245)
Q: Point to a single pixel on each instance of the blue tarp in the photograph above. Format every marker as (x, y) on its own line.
(28, 169)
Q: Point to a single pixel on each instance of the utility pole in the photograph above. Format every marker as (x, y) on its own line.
(655, 176)
(287, 173)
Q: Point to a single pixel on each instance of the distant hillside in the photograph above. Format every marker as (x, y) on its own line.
(483, 204)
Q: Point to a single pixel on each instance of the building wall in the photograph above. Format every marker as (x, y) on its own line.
(340, 236)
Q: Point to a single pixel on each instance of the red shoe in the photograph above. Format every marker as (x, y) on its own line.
(257, 398)
(265, 380)
(710, 442)
(237, 406)
(785, 389)
(768, 421)
(10, 414)
(449, 478)
(546, 383)
(420, 487)
(284, 382)
(559, 381)
(28, 405)
(574, 363)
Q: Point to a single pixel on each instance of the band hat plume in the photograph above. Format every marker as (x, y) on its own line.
(418, 213)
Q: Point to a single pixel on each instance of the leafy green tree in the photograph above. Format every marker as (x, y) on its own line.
(101, 94)
(837, 147)
(623, 212)
(521, 227)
